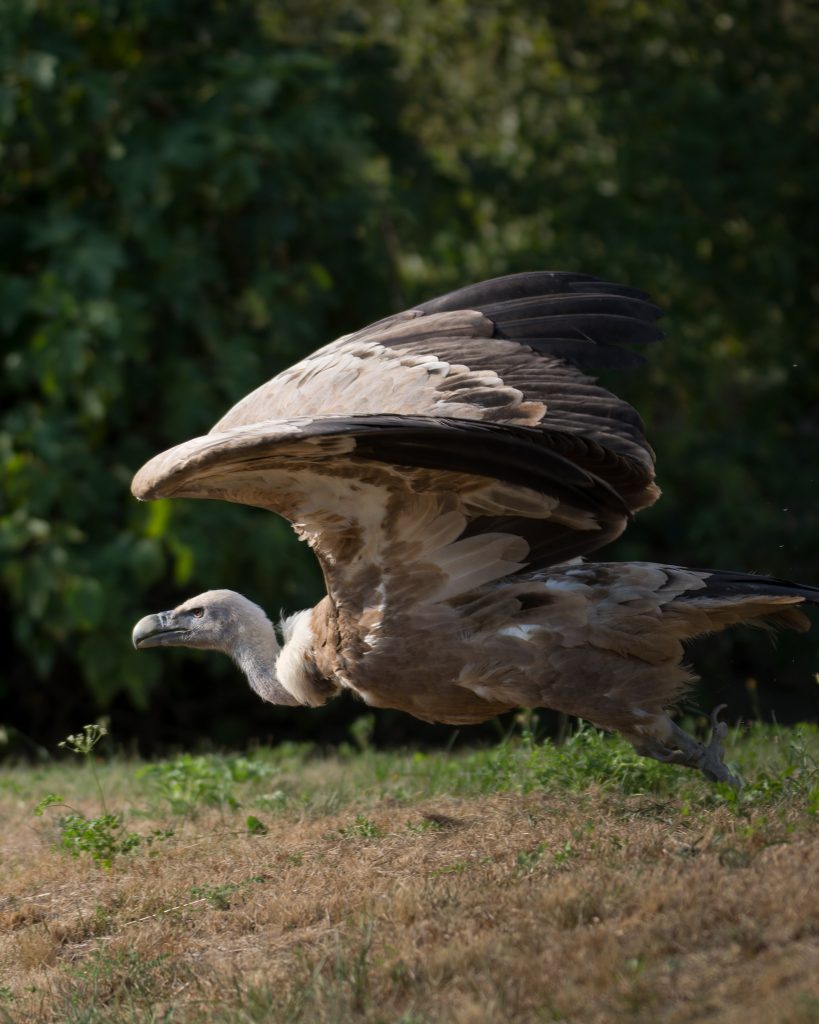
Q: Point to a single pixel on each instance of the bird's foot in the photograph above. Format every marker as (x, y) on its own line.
(710, 760)
(680, 748)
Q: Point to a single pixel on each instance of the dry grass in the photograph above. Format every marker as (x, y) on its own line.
(520, 884)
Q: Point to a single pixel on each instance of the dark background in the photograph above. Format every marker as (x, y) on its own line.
(195, 194)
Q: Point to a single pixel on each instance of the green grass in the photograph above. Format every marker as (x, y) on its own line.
(780, 767)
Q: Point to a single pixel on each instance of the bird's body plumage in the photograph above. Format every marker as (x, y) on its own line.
(449, 466)
(601, 640)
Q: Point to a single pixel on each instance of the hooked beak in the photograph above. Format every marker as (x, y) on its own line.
(158, 630)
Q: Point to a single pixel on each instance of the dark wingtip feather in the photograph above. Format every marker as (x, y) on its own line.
(573, 317)
(503, 289)
(592, 327)
(528, 284)
(585, 353)
(561, 305)
(609, 288)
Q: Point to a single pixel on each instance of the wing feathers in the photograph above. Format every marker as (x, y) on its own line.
(351, 487)
(521, 286)
(472, 401)
(608, 329)
(553, 305)
(502, 352)
(521, 457)
(586, 353)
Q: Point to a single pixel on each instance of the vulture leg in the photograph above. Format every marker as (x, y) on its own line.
(677, 747)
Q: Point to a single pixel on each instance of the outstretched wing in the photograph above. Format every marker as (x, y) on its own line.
(445, 446)
(507, 351)
(388, 501)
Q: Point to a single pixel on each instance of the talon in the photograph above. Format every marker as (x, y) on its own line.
(719, 730)
(675, 746)
(715, 722)
(711, 761)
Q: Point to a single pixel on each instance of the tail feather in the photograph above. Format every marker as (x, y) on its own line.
(731, 598)
(723, 583)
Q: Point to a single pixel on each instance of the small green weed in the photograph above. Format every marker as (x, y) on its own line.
(424, 825)
(361, 828)
(255, 826)
(217, 895)
(102, 837)
(191, 781)
(527, 860)
(566, 853)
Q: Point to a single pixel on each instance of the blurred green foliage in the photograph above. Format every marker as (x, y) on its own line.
(193, 195)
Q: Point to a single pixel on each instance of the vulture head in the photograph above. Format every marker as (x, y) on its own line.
(218, 620)
(221, 620)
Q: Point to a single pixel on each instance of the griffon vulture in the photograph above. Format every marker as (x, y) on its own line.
(450, 466)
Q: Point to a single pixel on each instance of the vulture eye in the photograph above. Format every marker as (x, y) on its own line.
(197, 613)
